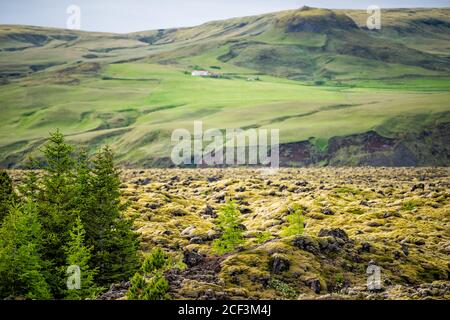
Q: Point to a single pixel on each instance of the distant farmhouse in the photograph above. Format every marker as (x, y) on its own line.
(201, 73)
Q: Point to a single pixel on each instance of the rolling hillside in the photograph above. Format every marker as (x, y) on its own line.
(339, 93)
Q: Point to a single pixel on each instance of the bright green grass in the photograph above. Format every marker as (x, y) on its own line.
(407, 84)
(151, 100)
(135, 106)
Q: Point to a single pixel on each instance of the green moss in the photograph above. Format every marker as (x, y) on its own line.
(366, 215)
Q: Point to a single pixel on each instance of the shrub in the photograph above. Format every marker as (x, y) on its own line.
(339, 278)
(232, 235)
(137, 283)
(319, 82)
(283, 288)
(151, 284)
(157, 260)
(156, 288)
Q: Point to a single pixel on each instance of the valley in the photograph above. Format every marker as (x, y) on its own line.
(317, 75)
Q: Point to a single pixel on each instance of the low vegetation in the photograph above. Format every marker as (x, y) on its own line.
(151, 285)
(230, 225)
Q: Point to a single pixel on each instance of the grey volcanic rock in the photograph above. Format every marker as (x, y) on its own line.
(335, 233)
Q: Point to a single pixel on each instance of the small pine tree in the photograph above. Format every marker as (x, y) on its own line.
(79, 255)
(152, 285)
(156, 288)
(232, 235)
(82, 185)
(157, 260)
(107, 229)
(137, 284)
(21, 264)
(56, 197)
(7, 194)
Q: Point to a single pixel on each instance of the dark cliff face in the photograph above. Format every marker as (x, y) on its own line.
(431, 147)
(300, 153)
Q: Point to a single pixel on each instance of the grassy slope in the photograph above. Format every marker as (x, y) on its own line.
(135, 104)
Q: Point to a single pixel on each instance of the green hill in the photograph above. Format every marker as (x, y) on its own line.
(339, 93)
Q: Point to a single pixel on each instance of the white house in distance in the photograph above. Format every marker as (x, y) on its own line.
(201, 73)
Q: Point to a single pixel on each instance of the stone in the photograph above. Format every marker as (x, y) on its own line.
(365, 247)
(374, 224)
(335, 233)
(196, 240)
(212, 179)
(419, 186)
(152, 206)
(307, 244)
(279, 264)
(315, 285)
(142, 182)
(242, 227)
(188, 231)
(328, 212)
(209, 211)
(245, 210)
(330, 244)
(220, 198)
(419, 242)
(192, 258)
(263, 280)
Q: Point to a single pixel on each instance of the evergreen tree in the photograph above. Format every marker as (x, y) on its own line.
(78, 205)
(83, 188)
(107, 229)
(157, 260)
(79, 255)
(151, 284)
(21, 264)
(56, 199)
(7, 194)
(156, 288)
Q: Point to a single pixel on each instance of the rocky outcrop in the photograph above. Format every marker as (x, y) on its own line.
(429, 147)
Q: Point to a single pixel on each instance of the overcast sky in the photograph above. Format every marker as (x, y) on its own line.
(137, 15)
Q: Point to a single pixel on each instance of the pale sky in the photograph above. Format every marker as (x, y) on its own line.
(123, 16)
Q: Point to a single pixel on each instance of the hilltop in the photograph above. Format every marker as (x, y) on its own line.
(339, 93)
